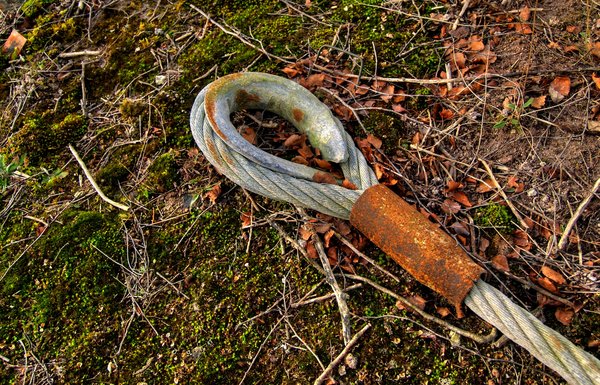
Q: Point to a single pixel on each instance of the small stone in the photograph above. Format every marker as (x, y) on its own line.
(531, 193)
(342, 370)
(351, 361)
(160, 80)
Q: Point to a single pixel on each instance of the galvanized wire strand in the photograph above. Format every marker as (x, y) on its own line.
(551, 348)
(573, 363)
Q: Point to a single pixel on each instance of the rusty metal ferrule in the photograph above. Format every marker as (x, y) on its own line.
(418, 245)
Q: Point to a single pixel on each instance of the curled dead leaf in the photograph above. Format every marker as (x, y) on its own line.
(524, 13)
(500, 262)
(375, 142)
(596, 80)
(564, 315)
(559, 88)
(214, 193)
(539, 102)
(461, 198)
(324, 177)
(547, 284)
(553, 275)
(450, 207)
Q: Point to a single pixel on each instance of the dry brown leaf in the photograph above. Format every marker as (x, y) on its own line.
(553, 275)
(461, 198)
(321, 163)
(290, 72)
(446, 114)
(294, 140)
(559, 88)
(398, 108)
(443, 311)
(375, 142)
(476, 46)
(418, 301)
(594, 126)
(554, 45)
(525, 13)
(596, 80)
(523, 28)
(304, 233)
(311, 250)
(595, 49)
(214, 193)
(249, 134)
(349, 185)
(379, 170)
(314, 81)
(306, 152)
(571, 48)
(324, 177)
(307, 3)
(564, 315)
(539, 102)
(453, 185)
(486, 186)
(300, 160)
(484, 57)
(573, 29)
(450, 207)
(14, 44)
(246, 218)
(458, 60)
(547, 284)
(387, 93)
(513, 183)
(500, 262)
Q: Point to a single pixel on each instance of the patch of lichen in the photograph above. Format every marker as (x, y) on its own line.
(32, 8)
(45, 135)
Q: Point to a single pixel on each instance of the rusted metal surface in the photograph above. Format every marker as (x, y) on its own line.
(419, 246)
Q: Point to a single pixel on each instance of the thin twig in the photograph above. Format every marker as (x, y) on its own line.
(323, 297)
(339, 294)
(582, 206)
(93, 182)
(66, 55)
(342, 355)
(461, 13)
(512, 207)
(83, 101)
(347, 106)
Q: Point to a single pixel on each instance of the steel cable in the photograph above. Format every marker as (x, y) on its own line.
(278, 179)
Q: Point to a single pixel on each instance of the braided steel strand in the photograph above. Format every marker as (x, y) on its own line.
(573, 363)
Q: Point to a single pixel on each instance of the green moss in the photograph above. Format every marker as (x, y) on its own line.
(31, 8)
(163, 174)
(495, 216)
(386, 127)
(42, 136)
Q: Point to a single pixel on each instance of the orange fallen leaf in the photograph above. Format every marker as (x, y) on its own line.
(321, 163)
(312, 251)
(539, 102)
(246, 218)
(554, 45)
(573, 29)
(486, 186)
(349, 185)
(446, 114)
(461, 198)
(324, 177)
(376, 142)
(547, 284)
(553, 275)
(571, 48)
(596, 80)
(523, 28)
(476, 46)
(595, 49)
(300, 160)
(418, 301)
(387, 93)
(564, 315)
(14, 44)
(398, 108)
(305, 151)
(249, 134)
(450, 207)
(513, 183)
(379, 170)
(453, 185)
(294, 140)
(214, 193)
(458, 60)
(559, 88)
(500, 262)
(525, 13)
(290, 72)
(443, 311)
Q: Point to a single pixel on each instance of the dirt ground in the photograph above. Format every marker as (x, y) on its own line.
(485, 117)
